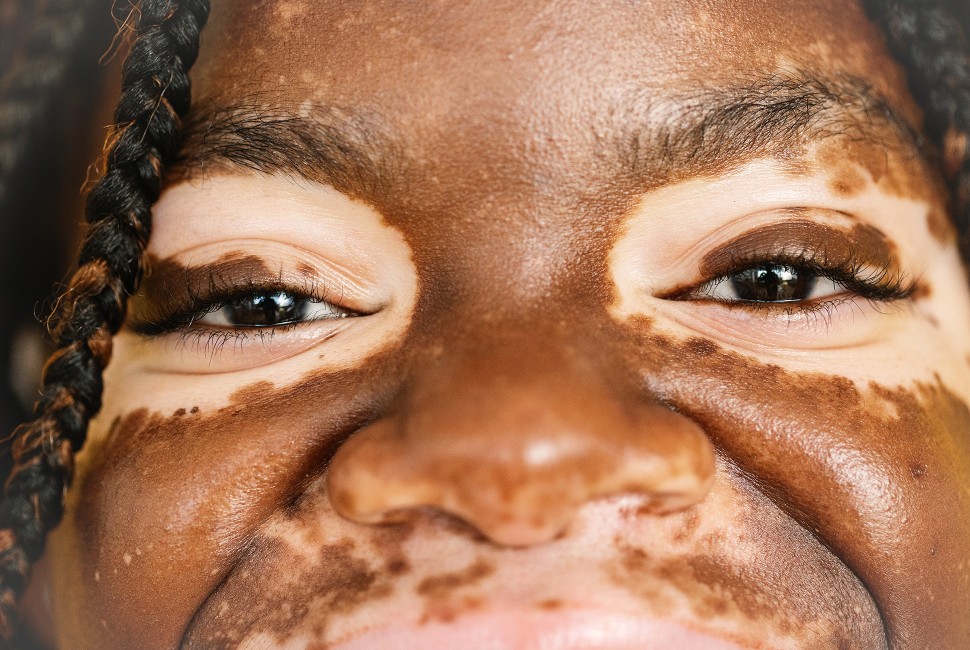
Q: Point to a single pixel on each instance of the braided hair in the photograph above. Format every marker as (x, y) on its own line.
(929, 40)
(925, 37)
(155, 96)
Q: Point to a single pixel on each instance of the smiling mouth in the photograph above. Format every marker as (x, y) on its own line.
(554, 630)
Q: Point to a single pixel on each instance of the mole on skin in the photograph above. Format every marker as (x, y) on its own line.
(561, 435)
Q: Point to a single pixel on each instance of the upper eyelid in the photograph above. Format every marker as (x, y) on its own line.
(185, 296)
(804, 239)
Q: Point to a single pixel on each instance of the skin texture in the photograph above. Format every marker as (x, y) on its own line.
(537, 405)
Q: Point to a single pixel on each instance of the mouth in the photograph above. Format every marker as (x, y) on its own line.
(553, 630)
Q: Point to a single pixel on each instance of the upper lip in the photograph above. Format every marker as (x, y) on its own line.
(566, 629)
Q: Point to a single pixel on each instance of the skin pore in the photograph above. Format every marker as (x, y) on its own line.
(532, 393)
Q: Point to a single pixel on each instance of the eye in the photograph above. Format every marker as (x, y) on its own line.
(269, 309)
(771, 283)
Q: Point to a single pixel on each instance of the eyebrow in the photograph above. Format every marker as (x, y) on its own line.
(713, 130)
(351, 151)
(702, 131)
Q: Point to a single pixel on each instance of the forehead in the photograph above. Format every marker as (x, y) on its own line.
(437, 53)
(507, 97)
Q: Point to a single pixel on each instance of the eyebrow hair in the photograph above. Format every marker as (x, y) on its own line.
(351, 151)
(703, 131)
(713, 130)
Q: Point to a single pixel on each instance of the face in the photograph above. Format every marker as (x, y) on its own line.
(535, 324)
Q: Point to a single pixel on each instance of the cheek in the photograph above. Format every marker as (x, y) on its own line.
(163, 504)
(880, 474)
(304, 567)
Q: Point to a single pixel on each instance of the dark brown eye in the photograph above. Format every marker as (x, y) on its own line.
(269, 309)
(773, 283)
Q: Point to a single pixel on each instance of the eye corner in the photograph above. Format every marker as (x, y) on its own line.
(681, 292)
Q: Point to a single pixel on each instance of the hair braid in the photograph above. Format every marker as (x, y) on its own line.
(155, 94)
(928, 38)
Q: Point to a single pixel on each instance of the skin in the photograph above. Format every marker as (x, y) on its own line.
(537, 409)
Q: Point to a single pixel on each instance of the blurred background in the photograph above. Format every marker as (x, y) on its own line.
(58, 84)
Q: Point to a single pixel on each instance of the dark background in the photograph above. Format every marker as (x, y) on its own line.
(55, 98)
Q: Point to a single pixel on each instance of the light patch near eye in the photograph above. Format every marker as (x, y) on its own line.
(304, 266)
(771, 263)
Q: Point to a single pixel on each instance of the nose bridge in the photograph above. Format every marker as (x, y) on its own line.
(513, 435)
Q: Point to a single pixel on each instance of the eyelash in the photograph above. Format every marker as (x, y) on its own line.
(877, 285)
(181, 314)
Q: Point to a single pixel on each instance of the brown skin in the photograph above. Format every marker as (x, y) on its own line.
(559, 431)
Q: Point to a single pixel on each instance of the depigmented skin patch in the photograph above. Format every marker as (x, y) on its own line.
(510, 209)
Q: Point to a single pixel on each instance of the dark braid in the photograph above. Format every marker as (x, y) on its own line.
(929, 40)
(155, 95)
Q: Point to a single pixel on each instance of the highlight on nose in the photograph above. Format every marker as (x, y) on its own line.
(515, 454)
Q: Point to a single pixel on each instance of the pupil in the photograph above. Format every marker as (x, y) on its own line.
(265, 309)
(773, 283)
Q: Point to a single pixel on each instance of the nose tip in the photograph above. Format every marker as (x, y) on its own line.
(516, 459)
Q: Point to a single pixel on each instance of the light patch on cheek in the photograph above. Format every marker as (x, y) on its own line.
(290, 11)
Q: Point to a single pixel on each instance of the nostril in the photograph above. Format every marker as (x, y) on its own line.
(520, 482)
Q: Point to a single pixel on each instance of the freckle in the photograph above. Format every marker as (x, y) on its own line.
(922, 291)
(179, 413)
(397, 566)
(918, 470)
(940, 225)
(701, 347)
(848, 182)
(304, 269)
(691, 522)
(441, 585)
(551, 604)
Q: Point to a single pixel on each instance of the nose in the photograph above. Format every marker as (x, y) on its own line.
(514, 442)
